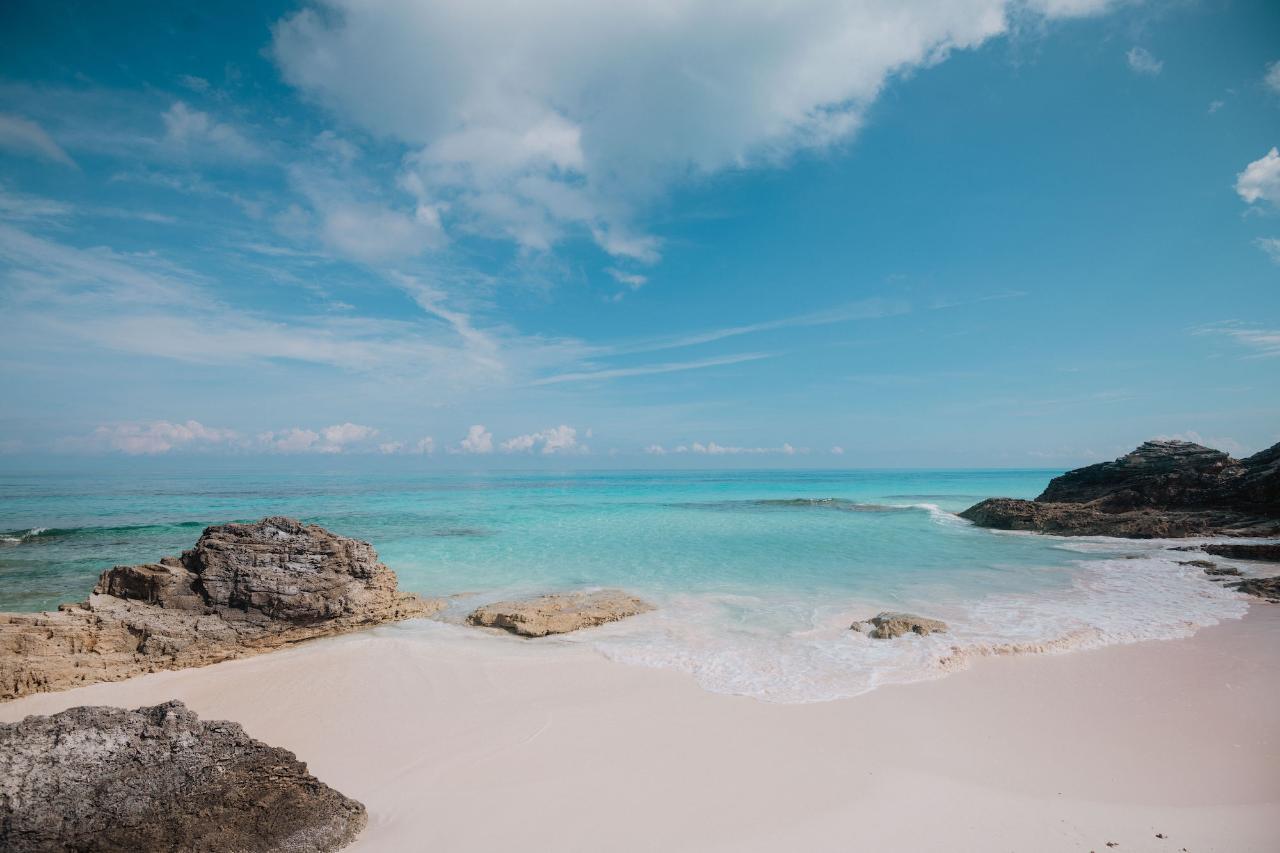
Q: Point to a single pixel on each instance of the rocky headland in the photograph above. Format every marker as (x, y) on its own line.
(1163, 489)
(559, 613)
(160, 778)
(242, 590)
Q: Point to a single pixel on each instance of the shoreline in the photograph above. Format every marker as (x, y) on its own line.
(474, 744)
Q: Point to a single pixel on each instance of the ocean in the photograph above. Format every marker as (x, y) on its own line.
(756, 575)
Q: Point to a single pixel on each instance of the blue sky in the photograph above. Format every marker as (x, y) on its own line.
(965, 233)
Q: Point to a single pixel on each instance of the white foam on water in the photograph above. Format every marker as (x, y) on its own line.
(793, 650)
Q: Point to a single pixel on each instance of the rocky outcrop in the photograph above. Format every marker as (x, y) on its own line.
(1267, 588)
(887, 625)
(159, 778)
(559, 613)
(1164, 489)
(1268, 553)
(243, 589)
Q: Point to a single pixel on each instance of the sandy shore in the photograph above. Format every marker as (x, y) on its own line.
(462, 742)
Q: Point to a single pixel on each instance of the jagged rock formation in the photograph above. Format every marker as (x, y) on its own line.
(559, 613)
(1162, 489)
(243, 589)
(159, 778)
(887, 625)
(1268, 553)
(1265, 588)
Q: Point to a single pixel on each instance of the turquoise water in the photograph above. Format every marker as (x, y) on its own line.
(757, 574)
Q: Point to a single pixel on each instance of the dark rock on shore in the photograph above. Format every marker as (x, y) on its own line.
(1221, 571)
(243, 589)
(1268, 588)
(159, 778)
(1163, 489)
(1268, 553)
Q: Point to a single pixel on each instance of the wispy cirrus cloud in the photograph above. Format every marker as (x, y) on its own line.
(23, 136)
(649, 369)
(1258, 342)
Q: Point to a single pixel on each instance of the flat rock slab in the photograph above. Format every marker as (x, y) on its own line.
(559, 613)
(1267, 553)
(160, 778)
(887, 626)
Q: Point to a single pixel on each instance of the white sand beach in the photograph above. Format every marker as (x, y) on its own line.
(460, 741)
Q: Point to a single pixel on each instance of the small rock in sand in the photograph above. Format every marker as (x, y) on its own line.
(559, 613)
(887, 626)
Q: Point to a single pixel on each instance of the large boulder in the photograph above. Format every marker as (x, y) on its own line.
(159, 778)
(243, 589)
(1162, 489)
(889, 625)
(559, 613)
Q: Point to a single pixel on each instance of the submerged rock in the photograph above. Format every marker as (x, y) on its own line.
(1267, 553)
(159, 778)
(243, 589)
(1220, 571)
(559, 613)
(1210, 567)
(888, 625)
(1163, 489)
(1268, 588)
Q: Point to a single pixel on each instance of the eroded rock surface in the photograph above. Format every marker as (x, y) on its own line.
(159, 778)
(888, 625)
(559, 613)
(1268, 553)
(1163, 489)
(243, 589)
(1266, 588)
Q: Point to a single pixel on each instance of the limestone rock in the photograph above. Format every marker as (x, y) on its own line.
(243, 589)
(1162, 489)
(159, 778)
(1210, 567)
(559, 613)
(1268, 553)
(1268, 588)
(888, 625)
(1215, 571)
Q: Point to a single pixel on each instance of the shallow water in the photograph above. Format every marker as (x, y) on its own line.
(757, 574)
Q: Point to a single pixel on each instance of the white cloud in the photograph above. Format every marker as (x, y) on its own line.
(26, 137)
(711, 448)
(1214, 106)
(656, 450)
(425, 445)
(630, 279)
(1270, 245)
(189, 131)
(194, 83)
(387, 448)
(1260, 180)
(331, 439)
(837, 450)
(561, 439)
(155, 437)
(1272, 77)
(478, 440)
(1142, 62)
(648, 369)
(537, 120)
(1264, 343)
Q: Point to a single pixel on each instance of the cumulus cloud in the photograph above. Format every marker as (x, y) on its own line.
(155, 437)
(711, 448)
(1142, 62)
(425, 445)
(190, 131)
(1260, 180)
(535, 121)
(561, 439)
(837, 450)
(478, 440)
(331, 439)
(22, 136)
(656, 450)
